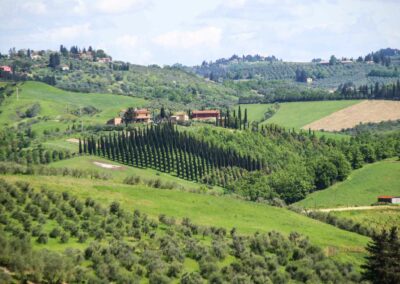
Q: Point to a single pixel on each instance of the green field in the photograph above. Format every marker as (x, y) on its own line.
(376, 219)
(361, 188)
(204, 209)
(56, 106)
(118, 175)
(297, 114)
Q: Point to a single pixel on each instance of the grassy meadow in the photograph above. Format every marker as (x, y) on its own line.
(56, 106)
(119, 174)
(361, 188)
(205, 209)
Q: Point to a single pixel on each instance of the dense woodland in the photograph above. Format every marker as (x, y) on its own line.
(126, 246)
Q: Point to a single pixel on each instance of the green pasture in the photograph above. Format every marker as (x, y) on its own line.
(361, 188)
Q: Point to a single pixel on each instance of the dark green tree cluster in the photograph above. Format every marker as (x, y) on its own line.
(166, 149)
(123, 246)
(16, 146)
(54, 60)
(231, 120)
(382, 265)
(377, 91)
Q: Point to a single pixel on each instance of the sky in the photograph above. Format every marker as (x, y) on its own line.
(165, 32)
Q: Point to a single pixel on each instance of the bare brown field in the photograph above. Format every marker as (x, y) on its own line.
(366, 111)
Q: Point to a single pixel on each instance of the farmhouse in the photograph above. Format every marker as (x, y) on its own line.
(64, 68)
(309, 80)
(6, 68)
(179, 117)
(389, 199)
(104, 60)
(141, 115)
(115, 121)
(205, 114)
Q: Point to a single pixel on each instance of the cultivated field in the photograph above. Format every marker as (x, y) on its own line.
(296, 114)
(204, 209)
(364, 112)
(361, 188)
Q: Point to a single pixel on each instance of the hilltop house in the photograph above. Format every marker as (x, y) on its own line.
(389, 199)
(104, 60)
(142, 115)
(64, 68)
(6, 68)
(205, 114)
(115, 121)
(179, 117)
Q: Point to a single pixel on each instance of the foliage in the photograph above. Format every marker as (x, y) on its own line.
(110, 253)
(384, 256)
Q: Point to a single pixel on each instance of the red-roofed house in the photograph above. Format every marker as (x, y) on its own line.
(205, 114)
(6, 68)
(141, 115)
(389, 199)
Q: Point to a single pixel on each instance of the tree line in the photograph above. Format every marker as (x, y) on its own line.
(166, 149)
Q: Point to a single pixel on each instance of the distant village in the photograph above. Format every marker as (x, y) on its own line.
(143, 115)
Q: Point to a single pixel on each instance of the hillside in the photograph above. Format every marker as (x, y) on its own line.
(120, 172)
(167, 85)
(59, 109)
(370, 69)
(208, 210)
(361, 188)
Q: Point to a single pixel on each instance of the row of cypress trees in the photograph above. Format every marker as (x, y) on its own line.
(166, 149)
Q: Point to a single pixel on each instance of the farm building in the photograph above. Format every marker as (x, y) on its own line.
(6, 68)
(115, 121)
(389, 199)
(104, 60)
(205, 114)
(179, 117)
(142, 115)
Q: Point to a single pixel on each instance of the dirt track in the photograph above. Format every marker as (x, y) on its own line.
(366, 111)
(358, 208)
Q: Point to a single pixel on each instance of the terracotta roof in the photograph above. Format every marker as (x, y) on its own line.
(142, 117)
(141, 111)
(385, 196)
(205, 112)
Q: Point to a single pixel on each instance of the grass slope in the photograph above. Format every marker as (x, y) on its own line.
(210, 210)
(361, 188)
(118, 175)
(56, 105)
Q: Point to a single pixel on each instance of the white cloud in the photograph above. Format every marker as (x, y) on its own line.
(35, 7)
(128, 40)
(80, 7)
(65, 33)
(113, 6)
(205, 37)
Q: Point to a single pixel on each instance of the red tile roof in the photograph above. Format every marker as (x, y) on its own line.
(205, 112)
(385, 196)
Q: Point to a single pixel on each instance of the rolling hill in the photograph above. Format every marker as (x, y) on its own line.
(59, 109)
(361, 188)
(296, 114)
(246, 217)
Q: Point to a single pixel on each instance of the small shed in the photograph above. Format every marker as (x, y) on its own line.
(115, 121)
(389, 199)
